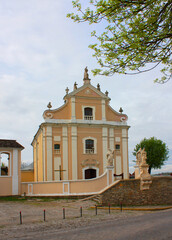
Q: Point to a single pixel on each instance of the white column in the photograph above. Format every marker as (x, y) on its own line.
(125, 152)
(74, 153)
(0, 164)
(118, 165)
(103, 110)
(73, 108)
(111, 139)
(105, 146)
(43, 153)
(65, 152)
(49, 154)
(15, 173)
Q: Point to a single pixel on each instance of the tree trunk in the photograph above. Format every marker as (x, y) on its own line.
(149, 170)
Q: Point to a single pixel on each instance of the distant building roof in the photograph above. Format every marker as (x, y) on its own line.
(10, 144)
(28, 167)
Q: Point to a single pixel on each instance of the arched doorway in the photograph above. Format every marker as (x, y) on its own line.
(90, 173)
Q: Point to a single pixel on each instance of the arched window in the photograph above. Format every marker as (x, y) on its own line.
(89, 146)
(4, 164)
(88, 113)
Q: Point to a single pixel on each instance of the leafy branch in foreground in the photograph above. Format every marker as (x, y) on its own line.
(137, 36)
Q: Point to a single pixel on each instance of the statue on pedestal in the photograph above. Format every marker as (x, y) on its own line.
(110, 157)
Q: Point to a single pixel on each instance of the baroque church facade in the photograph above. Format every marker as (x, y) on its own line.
(73, 141)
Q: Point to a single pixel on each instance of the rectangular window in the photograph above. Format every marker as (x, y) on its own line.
(89, 146)
(88, 113)
(57, 148)
(117, 147)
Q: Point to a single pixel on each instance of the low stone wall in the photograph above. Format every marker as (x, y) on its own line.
(128, 192)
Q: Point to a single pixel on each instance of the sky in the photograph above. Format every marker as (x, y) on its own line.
(42, 52)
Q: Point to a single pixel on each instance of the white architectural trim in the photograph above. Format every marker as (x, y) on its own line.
(95, 144)
(15, 183)
(92, 167)
(73, 108)
(104, 146)
(103, 110)
(43, 154)
(49, 153)
(117, 139)
(109, 168)
(125, 152)
(74, 153)
(57, 138)
(93, 109)
(118, 165)
(30, 186)
(65, 151)
(82, 121)
(68, 187)
(111, 138)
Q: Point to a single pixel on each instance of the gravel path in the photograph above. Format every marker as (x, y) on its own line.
(33, 217)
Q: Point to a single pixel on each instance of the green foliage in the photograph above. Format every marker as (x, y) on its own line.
(137, 36)
(157, 151)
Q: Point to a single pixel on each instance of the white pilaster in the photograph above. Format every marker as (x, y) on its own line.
(65, 152)
(0, 164)
(74, 153)
(103, 110)
(125, 152)
(105, 146)
(49, 154)
(15, 173)
(73, 108)
(43, 153)
(118, 165)
(111, 139)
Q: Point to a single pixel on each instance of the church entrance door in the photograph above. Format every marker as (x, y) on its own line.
(90, 173)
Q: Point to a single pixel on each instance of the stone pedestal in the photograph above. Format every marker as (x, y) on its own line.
(145, 177)
(110, 173)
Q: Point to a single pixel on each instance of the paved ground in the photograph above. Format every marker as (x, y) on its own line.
(32, 217)
(154, 226)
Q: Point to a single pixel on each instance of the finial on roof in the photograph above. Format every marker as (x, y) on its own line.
(49, 105)
(98, 86)
(75, 86)
(86, 76)
(67, 90)
(121, 110)
(106, 93)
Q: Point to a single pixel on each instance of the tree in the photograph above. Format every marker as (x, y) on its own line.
(157, 152)
(137, 36)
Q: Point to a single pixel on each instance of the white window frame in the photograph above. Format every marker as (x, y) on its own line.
(9, 163)
(95, 144)
(83, 112)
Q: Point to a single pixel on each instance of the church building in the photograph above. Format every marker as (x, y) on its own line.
(73, 141)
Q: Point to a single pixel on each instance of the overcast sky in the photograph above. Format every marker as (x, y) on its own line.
(42, 52)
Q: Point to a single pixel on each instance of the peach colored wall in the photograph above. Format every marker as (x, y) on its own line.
(5, 186)
(111, 115)
(75, 187)
(80, 102)
(95, 133)
(27, 176)
(64, 112)
(84, 93)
